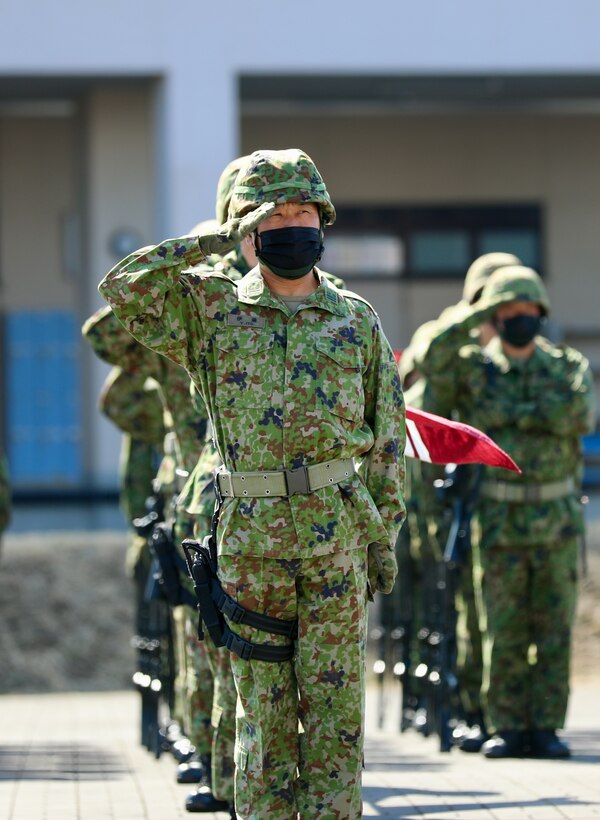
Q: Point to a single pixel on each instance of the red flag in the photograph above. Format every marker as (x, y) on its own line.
(441, 441)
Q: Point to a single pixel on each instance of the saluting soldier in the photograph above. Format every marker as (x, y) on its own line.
(536, 400)
(306, 407)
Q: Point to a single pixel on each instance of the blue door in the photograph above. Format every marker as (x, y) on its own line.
(43, 405)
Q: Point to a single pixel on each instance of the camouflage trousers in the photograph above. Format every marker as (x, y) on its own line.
(198, 685)
(300, 724)
(469, 653)
(529, 595)
(222, 721)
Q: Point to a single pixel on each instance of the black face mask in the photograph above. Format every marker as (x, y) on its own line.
(520, 330)
(290, 252)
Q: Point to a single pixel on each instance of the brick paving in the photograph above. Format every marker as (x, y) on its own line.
(75, 755)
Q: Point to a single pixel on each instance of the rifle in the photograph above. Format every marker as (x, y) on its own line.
(402, 631)
(154, 675)
(459, 491)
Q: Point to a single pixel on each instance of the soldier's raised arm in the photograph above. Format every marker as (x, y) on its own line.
(158, 300)
(112, 343)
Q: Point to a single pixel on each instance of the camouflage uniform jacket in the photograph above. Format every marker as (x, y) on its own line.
(282, 391)
(536, 409)
(113, 344)
(133, 405)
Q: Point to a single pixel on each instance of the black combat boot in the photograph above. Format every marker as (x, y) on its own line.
(507, 743)
(203, 801)
(471, 737)
(545, 743)
(195, 770)
(473, 740)
(183, 749)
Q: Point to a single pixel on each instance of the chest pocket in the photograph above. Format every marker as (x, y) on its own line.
(339, 380)
(245, 367)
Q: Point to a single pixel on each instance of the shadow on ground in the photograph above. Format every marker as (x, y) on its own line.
(61, 761)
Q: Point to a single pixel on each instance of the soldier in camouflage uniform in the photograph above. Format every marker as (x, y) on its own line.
(536, 400)
(186, 430)
(470, 732)
(4, 495)
(135, 408)
(199, 499)
(299, 381)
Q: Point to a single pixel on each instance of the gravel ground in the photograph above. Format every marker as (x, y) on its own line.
(66, 609)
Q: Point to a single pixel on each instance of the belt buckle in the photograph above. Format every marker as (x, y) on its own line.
(297, 481)
(225, 481)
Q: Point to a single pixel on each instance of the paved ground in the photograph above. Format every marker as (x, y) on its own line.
(76, 757)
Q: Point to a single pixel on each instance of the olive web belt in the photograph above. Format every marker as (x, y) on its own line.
(285, 483)
(527, 493)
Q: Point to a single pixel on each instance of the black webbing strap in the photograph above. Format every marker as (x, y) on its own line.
(214, 604)
(240, 615)
(256, 651)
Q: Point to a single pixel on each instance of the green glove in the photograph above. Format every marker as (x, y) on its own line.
(227, 236)
(382, 567)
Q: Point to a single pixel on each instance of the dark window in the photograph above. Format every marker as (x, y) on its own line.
(429, 242)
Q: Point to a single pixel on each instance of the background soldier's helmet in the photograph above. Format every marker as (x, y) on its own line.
(481, 270)
(225, 187)
(516, 284)
(280, 176)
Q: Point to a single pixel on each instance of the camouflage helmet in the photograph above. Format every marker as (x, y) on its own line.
(280, 176)
(225, 187)
(516, 283)
(481, 270)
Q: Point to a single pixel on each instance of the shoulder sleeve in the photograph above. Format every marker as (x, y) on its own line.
(159, 299)
(384, 413)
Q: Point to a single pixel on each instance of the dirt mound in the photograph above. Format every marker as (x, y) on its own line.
(66, 610)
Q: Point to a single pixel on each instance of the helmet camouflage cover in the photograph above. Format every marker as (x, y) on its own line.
(516, 284)
(280, 176)
(481, 270)
(225, 187)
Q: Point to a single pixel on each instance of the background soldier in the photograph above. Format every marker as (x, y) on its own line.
(135, 408)
(470, 732)
(293, 372)
(536, 400)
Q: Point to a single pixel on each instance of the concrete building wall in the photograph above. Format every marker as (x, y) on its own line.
(119, 146)
(201, 49)
(38, 195)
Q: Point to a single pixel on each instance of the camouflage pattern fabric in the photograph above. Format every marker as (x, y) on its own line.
(536, 409)
(113, 344)
(133, 404)
(184, 440)
(283, 391)
(4, 494)
(327, 674)
(225, 187)
(340, 390)
(137, 468)
(288, 176)
(540, 583)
